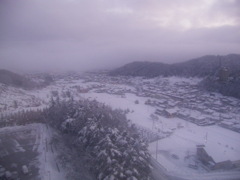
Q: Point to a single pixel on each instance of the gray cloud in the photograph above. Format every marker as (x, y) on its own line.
(81, 35)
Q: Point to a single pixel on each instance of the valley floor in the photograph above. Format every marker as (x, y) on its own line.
(174, 153)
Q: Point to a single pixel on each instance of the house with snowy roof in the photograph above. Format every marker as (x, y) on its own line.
(216, 158)
(171, 112)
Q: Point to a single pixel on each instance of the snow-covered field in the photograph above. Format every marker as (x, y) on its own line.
(176, 152)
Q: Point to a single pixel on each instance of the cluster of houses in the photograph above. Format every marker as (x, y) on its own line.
(199, 107)
(184, 101)
(179, 99)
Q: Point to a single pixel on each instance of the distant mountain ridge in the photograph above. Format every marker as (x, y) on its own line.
(220, 73)
(198, 67)
(16, 80)
(13, 79)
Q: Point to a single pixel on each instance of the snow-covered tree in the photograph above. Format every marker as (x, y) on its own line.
(116, 150)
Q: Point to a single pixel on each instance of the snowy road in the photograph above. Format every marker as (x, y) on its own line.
(49, 168)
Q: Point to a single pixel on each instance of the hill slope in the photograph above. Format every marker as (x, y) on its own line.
(208, 67)
(16, 80)
(200, 67)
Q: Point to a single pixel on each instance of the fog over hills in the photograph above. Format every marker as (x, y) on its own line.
(17, 80)
(119, 90)
(13, 79)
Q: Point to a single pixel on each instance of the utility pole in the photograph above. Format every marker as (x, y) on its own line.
(152, 124)
(206, 137)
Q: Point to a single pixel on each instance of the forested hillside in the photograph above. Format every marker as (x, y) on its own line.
(199, 67)
(13, 79)
(16, 80)
(207, 67)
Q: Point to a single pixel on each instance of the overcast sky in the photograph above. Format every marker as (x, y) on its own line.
(90, 34)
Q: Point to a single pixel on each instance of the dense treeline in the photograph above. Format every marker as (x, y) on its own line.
(228, 88)
(23, 117)
(115, 148)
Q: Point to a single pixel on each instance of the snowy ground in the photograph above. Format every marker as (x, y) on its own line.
(175, 152)
(139, 113)
(178, 151)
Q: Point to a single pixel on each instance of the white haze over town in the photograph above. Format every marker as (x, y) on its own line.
(56, 35)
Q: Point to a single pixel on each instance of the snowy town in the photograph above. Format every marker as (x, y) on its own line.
(189, 131)
(119, 90)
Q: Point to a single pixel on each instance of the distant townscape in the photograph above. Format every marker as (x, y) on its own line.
(187, 113)
(219, 73)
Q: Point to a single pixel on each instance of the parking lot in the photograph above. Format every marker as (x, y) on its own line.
(18, 152)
